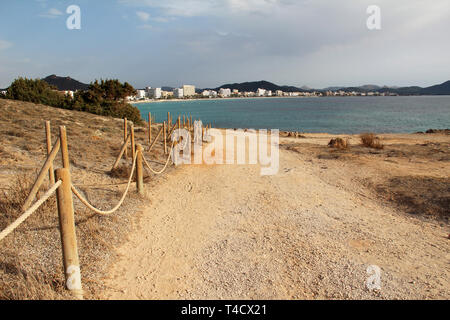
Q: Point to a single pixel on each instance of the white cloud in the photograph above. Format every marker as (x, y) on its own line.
(191, 8)
(51, 13)
(143, 16)
(5, 45)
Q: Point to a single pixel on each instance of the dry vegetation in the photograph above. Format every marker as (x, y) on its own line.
(339, 143)
(31, 258)
(369, 140)
(409, 172)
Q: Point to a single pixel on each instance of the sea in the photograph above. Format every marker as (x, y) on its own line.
(337, 115)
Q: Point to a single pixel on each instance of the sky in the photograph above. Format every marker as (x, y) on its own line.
(207, 43)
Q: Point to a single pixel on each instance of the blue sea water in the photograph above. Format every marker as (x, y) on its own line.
(348, 115)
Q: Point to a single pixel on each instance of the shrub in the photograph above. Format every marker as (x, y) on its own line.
(105, 98)
(339, 143)
(371, 141)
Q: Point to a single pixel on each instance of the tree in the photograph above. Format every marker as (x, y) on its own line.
(103, 98)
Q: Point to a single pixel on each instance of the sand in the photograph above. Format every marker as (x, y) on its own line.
(310, 232)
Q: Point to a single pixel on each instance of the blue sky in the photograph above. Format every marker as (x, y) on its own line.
(211, 42)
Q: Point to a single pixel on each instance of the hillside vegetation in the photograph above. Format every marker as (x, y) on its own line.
(31, 257)
(106, 98)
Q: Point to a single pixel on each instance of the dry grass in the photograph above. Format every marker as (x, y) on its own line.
(31, 257)
(122, 172)
(369, 140)
(418, 195)
(339, 143)
(20, 276)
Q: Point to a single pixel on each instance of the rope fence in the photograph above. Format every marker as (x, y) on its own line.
(91, 207)
(29, 212)
(64, 188)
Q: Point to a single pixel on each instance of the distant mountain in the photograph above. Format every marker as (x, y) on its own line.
(440, 89)
(255, 85)
(65, 83)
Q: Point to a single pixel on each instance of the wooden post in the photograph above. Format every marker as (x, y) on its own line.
(125, 134)
(41, 176)
(64, 147)
(48, 135)
(122, 151)
(184, 121)
(179, 122)
(168, 123)
(139, 171)
(68, 235)
(156, 139)
(133, 143)
(165, 137)
(149, 128)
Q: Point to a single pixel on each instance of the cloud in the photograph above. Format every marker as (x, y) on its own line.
(5, 45)
(192, 8)
(51, 13)
(143, 16)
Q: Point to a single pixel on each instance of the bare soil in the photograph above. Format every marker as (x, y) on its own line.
(309, 232)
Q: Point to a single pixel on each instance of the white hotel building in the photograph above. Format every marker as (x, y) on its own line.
(178, 93)
(141, 94)
(225, 93)
(155, 93)
(188, 91)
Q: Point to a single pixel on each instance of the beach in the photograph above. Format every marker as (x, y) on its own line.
(226, 232)
(309, 232)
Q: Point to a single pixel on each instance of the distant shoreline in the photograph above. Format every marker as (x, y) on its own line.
(211, 99)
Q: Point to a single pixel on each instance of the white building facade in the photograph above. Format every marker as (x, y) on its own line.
(155, 93)
(225, 92)
(188, 90)
(178, 93)
(141, 94)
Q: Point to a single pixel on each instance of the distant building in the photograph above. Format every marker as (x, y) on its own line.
(209, 93)
(178, 93)
(260, 92)
(188, 91)
(141, 94)
(225, 93)
(268, 93)
(166, 94)
(155, 93)
(69, 93)
(279, 93)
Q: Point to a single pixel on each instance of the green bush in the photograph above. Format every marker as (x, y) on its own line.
(104, 98)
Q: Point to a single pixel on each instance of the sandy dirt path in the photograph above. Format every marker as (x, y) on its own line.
(225, 232)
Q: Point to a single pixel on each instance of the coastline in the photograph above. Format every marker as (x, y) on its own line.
(212, 99)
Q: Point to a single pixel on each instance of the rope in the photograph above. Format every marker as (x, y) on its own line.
(165, 166)
(98, 211)
(30, 211)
